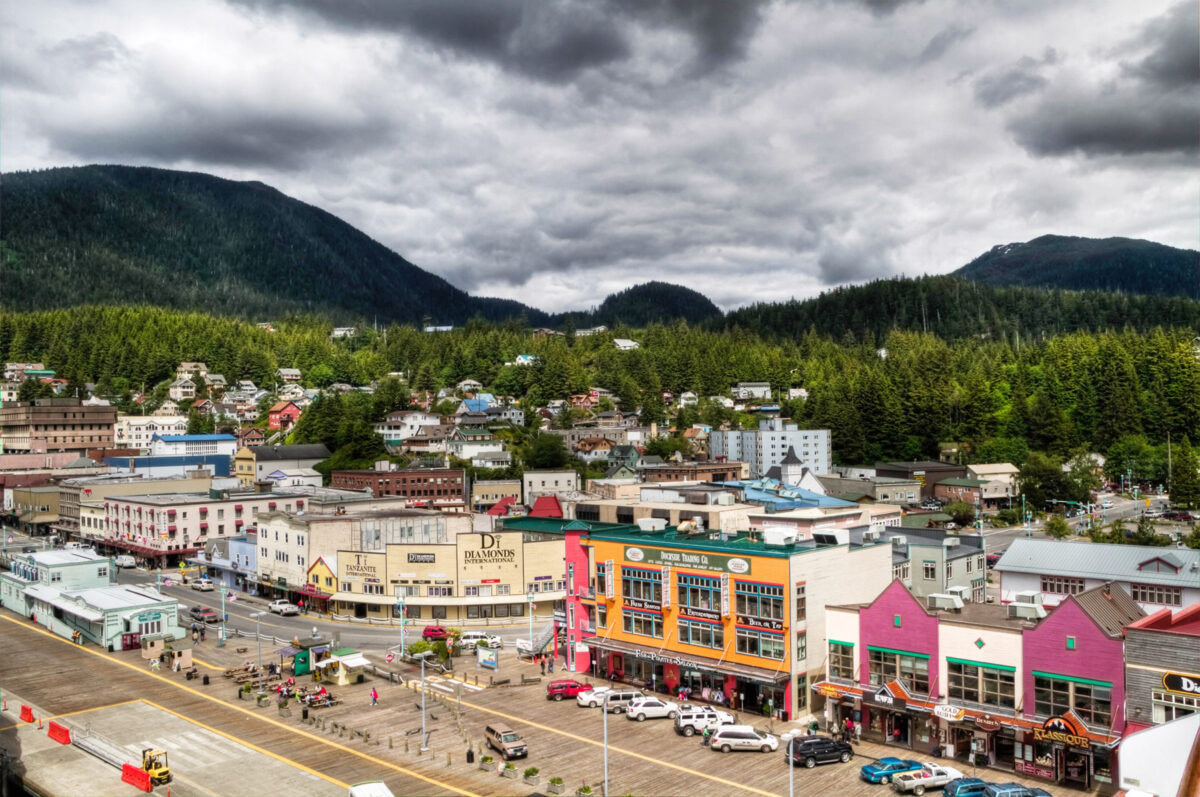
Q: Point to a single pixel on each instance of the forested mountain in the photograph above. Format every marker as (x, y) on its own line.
(649, 303)
(125, 235)
(1127, 265)
(953, 308)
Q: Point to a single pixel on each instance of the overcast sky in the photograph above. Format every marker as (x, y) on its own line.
(554, 152)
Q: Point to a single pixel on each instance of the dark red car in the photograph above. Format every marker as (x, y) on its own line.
(566, 687)
(434, 633)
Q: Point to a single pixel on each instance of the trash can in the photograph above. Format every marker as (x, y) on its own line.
(304, 714)
(470, 756)
(205, 680)
(240, 693)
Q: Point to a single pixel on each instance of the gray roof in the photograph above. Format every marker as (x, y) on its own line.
(1109, 562)
(276, 453)
(790, 458)
(1110, 607)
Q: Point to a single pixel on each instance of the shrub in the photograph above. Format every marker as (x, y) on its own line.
(531, 771)
(556, 780)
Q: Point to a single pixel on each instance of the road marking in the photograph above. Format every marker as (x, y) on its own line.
(71, 713)
(313, 737)
(416, 686)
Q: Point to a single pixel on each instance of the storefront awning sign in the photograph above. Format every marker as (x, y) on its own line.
(827, 691)
(1181, 684)
(948, 713)
(1062, 729)
(987, 723)
(883, 698)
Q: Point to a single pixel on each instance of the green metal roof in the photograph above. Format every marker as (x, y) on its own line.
(963, 482)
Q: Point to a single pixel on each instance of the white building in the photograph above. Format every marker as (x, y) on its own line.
(405, 424)
(751, 390)
(1157, 578)
(136, 431)
(625, 344)
(765, 447)
(188, 445)
(538, 482)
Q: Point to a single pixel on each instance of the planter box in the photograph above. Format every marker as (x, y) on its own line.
(554, 788)
(485, 765)
(581, 793)
(532, 780)
(508, 773)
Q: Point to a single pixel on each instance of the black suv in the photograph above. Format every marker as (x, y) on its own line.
(813, 750)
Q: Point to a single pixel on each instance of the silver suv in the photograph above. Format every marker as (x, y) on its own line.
(693, 719)
(618, 699)
(728, 738)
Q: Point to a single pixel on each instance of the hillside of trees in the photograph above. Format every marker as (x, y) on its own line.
(648, 303)
(1122, 265)
(1110, 391)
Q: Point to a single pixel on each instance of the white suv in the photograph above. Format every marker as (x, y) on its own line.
(471, 639)
(728, 738)
(643, 707)
(693, 719)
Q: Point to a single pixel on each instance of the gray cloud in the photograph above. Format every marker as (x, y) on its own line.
(1005, 85)
(1174, 59)
(942, 41)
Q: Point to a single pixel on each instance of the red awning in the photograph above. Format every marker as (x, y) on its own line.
(203, 525)
(171, 512)
(300, 503)
(310, 589)
(171, 528)
(271, 505)
(239, 523)
(238, 507)
(203, 510)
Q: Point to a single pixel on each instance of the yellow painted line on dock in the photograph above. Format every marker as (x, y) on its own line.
(232, 707)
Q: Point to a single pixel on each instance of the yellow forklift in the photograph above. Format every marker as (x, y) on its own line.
(154, 762)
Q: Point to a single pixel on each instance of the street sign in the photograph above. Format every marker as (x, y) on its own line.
(166, 582)
(389, 658)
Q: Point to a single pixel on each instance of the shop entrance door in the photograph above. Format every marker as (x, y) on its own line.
(360, 610)
(897, 729)
(1074, 766)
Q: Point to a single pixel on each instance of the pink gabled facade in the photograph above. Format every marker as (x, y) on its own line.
(1095, 656)
(579, 589)
(897, 621)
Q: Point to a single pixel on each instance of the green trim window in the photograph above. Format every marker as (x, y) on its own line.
(976, 682)
(702, 634)
(1090, 700)
(801, 645)
(753, 642)
(601, 616)
(640, 584)
(841, 660)
(698, 592)
(759, 600)
(601, 579)
(912, 669)
(642, 623)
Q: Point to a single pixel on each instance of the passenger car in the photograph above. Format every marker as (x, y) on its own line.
(204, 614)
(965, 787)
(693, 719)
(1013, 790)
(813, 750)
(991, 559)
(930, 776)
(565, 687)
(434, 633)
(283, 607)
(642, 707)
(471, 639)
(883, 770)
(505, 741)
(617, 699)
(203, 585)
(728, 738)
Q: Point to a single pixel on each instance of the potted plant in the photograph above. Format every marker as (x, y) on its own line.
(509, 771)
(554, 785)
(531, 775)
(485, 762)
(584, 790)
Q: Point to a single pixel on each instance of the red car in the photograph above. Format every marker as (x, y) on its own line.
(557, 690)
(435, 632)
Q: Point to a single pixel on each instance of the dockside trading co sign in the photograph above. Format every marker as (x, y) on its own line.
(688, 560)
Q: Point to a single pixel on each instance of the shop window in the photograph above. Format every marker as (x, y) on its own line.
(438, 612)
(1090, 700)
(640, 584)
(642, 623)
(764, 601)
(974, 682)
(841, 660)
(702, 634)
(760, 643)
(1169, 706)
(501, 610)
(801, 603)
(888, 665)
(698, 592)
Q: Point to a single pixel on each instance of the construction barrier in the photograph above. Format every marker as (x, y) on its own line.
(26, 714)
(59, 733)
(138, 778)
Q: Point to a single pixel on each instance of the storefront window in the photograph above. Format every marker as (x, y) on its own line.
(705, 635)
(977, 683)
(1091, 700)
(699, 592)
(760, 600)
(1169, 706)
(760, 643)
(841, 661)
(643, 623)
(639, 584)
(911, 668)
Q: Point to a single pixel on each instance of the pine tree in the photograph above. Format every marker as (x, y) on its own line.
(1185, 476)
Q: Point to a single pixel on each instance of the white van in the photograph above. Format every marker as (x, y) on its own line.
(371, 788)
(124, 560)
(728, 738)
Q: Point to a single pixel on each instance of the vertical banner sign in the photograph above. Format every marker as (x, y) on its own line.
(610, 575)
(666, 586)
(571, 578)
(724, 594)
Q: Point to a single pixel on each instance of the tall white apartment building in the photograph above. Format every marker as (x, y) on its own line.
(765, 447)
(136, 431)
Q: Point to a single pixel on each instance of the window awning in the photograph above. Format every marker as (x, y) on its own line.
(760, 674)
(238, 507)
(356, 597)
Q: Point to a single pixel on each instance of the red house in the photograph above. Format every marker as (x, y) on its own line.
(283, 415)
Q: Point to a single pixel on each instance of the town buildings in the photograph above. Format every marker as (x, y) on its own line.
(927, 472)
(259, 463)
(1162, 667)
(432, 486)
(854, 487)
(136, 431)
(765, 447)
(539, 482)
(55, 424)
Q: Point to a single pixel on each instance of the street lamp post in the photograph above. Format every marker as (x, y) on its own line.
(224, 618)
(258, 638)
(604, 708)
(422, 656)
(403, 623)
(530, 598)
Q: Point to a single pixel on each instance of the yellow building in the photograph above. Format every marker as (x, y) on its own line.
(321, 583)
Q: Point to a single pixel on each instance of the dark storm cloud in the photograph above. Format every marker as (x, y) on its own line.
(998, 88)
(884, 7)
(942, 41)
(549, 41)
(1149, 110)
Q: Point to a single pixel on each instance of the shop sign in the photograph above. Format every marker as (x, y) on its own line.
(701, 614)
(882, 697)
(487, 657)
(637, 603)
(361, 568)
(1063, 730)
(724, 594)
(610, 577)
(489, 551)
(149, 617)
(987, 723)
(688, 559)
(421, 558)
(760, 622)
(1181, 684)
(666, 586)
(1030, 768)
(827, 691)
(948, 713)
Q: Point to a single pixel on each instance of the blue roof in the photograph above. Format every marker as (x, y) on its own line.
(193, 438)
(476, 404)
(780, 496)
(220, 462)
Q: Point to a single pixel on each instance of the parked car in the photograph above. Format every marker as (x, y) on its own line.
(505, 741)
(883, 770)
(728, 738)
(204, 614)
(203, 585)
(1013, 790)
(965, 787)
(470, 639)
(812, 750)
(617, 698)
(29, 549)
(651, 707)
(124, 560)
(433, 633)
(992, 558)
(693, 719)
(565, 687)
(930, 776)
(283, 607)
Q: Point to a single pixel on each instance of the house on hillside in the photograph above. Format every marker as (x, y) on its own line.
(288, 375)
(744, 391)
(182, 389)
(468, 386)
(283, 415)
(625, 344)
(505, 414)
(186, 369)
(591, 449)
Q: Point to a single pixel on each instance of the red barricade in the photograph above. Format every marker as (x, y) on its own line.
(138, 778)
(59, 733)
(26, 714)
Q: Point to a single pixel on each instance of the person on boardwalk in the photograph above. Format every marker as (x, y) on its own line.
(203, 629)
(374, 697)
(542, 659)
(195, 637)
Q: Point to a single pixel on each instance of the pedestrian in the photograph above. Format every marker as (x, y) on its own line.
(195, 637)
(704, 736)
(203, 629)
(551, 666)
(542, 659)
(374, 697)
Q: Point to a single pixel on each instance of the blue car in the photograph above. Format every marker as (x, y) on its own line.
(883, 770)
(965, 787)
(1013, 790)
